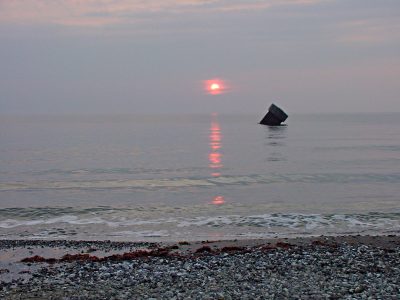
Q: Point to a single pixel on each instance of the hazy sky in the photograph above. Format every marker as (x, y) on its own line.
(76, 56)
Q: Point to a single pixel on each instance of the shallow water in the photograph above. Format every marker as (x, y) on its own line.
(198, 176)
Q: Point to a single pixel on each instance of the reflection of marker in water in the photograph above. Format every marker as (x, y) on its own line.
(274, 117)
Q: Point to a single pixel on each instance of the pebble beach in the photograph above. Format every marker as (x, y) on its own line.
(343, 267)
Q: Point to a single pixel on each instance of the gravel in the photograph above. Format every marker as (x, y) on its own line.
(340, 271)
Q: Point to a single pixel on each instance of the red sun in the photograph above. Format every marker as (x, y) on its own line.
(215, 86)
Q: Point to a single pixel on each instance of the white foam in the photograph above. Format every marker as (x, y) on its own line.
(9, 223)
(144, 233)
(264, 223)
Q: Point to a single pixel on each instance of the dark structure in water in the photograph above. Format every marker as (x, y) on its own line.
(274, 117)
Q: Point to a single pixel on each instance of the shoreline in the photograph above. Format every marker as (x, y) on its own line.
(324, 265)
(103, 247)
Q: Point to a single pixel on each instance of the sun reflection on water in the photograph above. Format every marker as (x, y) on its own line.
(218, 200)
(215, 156)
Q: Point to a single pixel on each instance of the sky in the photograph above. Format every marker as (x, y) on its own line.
(154, 56)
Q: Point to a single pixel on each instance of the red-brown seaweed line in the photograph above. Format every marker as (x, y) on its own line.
(160, 252)
(284, 245)
(324, 244)
(233, 249)
(34, 259)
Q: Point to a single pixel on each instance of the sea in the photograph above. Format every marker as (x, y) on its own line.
(198, 177)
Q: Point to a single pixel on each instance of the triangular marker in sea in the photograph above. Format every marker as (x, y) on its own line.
(274, 117)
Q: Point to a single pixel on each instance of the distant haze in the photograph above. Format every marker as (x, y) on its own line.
(154, 56)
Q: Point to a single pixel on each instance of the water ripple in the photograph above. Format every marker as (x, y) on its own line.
(158, 184)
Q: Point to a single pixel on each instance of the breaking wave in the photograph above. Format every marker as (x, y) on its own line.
(115, 224)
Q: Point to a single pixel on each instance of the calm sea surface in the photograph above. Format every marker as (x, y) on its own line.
(198, 176)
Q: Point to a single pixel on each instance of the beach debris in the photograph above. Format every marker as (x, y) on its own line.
(274, 117)
(208, 242)
(233, 249)
(173, 247)
(284, 245)
(204, 249)
(184, 243)
(90, 250)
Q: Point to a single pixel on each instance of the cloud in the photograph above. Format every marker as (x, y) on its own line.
(369, 31)
(108, 12)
